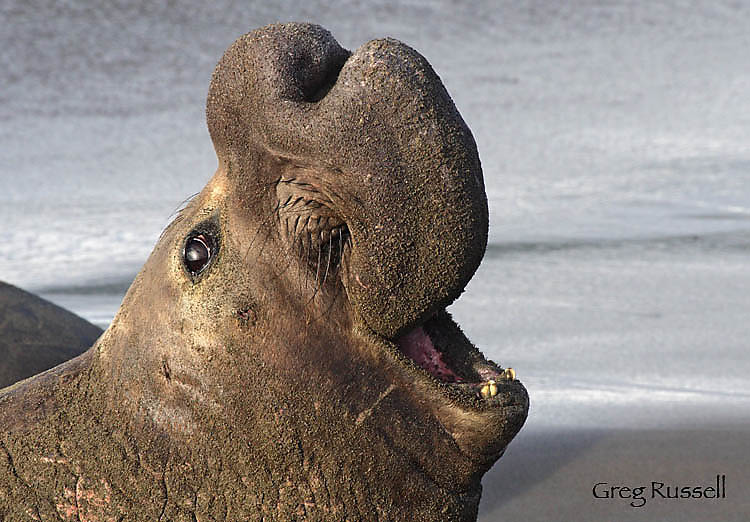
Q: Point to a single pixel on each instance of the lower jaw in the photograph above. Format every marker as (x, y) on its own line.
(480, 404)
(464, 434)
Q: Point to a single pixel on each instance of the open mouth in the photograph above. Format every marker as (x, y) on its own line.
(441, 350)
(478, 403)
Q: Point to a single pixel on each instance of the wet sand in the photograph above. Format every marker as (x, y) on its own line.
(549, 475)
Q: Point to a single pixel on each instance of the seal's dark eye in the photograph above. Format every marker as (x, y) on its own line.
(198, 253)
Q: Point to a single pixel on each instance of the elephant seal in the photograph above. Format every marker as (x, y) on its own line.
(285, 352)
(37, 335)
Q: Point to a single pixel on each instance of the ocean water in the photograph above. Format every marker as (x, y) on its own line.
(615, 142)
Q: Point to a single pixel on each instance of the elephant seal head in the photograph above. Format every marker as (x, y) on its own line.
(293, 314)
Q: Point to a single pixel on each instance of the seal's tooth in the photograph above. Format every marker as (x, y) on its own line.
(485, 391)
(492, 388)
(509, 374)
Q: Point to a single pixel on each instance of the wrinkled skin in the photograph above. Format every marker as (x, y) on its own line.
(346, 212)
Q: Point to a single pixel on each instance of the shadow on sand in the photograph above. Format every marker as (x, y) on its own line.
(549, 475)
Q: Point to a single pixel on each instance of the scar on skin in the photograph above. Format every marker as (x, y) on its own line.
(356, 276)
(67, 508)
(362, 417)
(54, 460)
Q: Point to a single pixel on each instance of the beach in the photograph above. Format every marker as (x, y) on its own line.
(615, 145)
(552, 475)
(634, 363)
